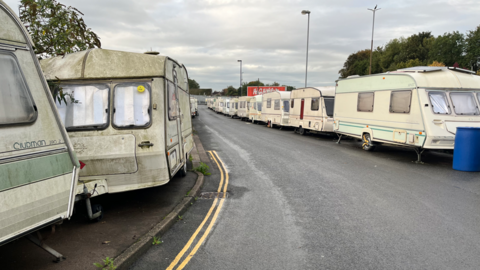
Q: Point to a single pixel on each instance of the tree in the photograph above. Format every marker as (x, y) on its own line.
(192, 84)
(448, 48)
(472, 49)
(229, 91)
(436, 64)
(356, 64)
(290, 88)
(56, 29)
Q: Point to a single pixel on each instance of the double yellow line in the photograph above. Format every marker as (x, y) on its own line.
(217, 203)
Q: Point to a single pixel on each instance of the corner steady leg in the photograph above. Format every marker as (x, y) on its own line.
(339, 138)
(37, 240)
(419, 152)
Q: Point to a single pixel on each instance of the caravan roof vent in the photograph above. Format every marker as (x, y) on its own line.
(353, 76)
(420, 69)
(152, 53)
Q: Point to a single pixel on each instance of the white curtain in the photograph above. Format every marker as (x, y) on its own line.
(131, 106)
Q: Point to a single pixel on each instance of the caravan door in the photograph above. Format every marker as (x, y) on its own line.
(302, 106)
(174, 132)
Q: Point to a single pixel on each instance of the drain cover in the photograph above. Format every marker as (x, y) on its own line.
(212, 195)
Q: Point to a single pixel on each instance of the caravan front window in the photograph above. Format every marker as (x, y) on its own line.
(329, 105)
(315, 104)
(400, 101)
(285, 106)
(172, 101)
(276, 105)
(132, 105)
(269, 103)
(228, 104)
(16, 104)
(464, 103)
(439, 102)
(259, 106)
(89, 111)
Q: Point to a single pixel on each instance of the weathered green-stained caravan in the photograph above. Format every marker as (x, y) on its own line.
(38, 168)
(131, 125)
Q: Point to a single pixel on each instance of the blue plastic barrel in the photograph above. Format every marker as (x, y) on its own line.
(466, 156)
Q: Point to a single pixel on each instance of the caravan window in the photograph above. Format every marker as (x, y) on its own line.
(172, 101)
(400, 101)
(132, 105)
(259, 106)
(329, 106)
(291, 103)
(365, 102)
(464, 103)
(439, 102)
(16, 103)
(236, 105)
(315, 104)
(228, 104)
(90, 109)
(276, 105)
(285, 106)
(269, 103)
(248, 104)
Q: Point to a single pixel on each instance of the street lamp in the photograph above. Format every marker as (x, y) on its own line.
(240, 77)
(308, 30)
(371, 46)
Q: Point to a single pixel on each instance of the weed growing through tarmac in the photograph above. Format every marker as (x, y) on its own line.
(107, 264)
(156, 241)
(187, 193)
(180, 217)
(202, 168)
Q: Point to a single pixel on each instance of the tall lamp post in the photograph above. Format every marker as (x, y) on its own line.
(240, 77)
(308, 32)
(371, 46)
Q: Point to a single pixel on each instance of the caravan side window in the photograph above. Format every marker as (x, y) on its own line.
(16, 103)
(259, 106)
(172, 101)
(276, 105)
(329, 105)
(132, 105)
(269, 103)
(439, 102)
(285, 106)
(464, 103)
(400, 101)
(315, 104)
(236, 105)
(365, 102)
(89, 111)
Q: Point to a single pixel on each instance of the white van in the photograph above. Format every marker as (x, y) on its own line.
(131, 126)
(243, 107)
(418, 107)
(194, 107)
(311, 109)
(255, 113)
(38, 168)
(275, 108)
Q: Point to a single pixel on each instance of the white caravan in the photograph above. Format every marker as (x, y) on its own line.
(194, 107)
(38, 168)
(255, 109)
(130, 125)
(219, 105)
(311, 109)
(243, 107)
(233, 107)
(418, 107)
(226, 109)
(275, 108)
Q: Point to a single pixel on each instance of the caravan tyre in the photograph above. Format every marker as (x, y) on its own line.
(302, 131)
(183, 171)
(367, 142)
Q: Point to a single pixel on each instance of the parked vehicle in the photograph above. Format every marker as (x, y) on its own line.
(226, 109)
(209, 102)
(193, 107)
(220, 104)
(38, 167)
(275, 108)
(311, 109)
(128, 125)
(243, 107)
(418, 107)
(233, 107)
(255, 109)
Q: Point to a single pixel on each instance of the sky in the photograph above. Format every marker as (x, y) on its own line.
(270, 37)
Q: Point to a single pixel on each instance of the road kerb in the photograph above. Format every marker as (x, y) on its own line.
(131, 254)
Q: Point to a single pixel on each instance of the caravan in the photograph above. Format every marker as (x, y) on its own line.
(275, 108)
(38, 168)
(226, 109)
(243, 107)
(129, 122)
(193, 107)
(418, 107)
(233, 107)
(255, 109)
(311, 109)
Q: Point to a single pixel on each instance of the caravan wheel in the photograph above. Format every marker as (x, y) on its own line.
(183, 171)
(302, 131)
(367, 142)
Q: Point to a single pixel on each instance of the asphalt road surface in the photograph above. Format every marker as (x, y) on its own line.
(305, 202)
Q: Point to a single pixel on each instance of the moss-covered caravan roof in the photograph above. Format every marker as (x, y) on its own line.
(103, 64)
(445, 78)
(12, 31)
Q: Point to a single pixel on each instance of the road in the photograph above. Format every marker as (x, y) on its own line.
(305, 202)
